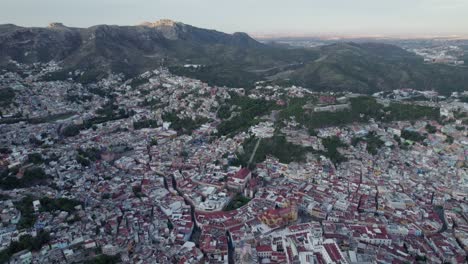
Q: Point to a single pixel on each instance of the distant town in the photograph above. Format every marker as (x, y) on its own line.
(443, 50)
(166, 169)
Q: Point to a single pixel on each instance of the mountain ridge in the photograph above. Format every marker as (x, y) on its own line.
(235, 60)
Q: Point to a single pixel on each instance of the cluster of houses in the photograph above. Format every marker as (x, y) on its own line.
(154, 192)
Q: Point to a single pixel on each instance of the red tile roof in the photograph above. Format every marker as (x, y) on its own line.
(242, 173)
(333, 252)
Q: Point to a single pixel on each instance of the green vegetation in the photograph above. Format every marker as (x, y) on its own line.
(412, 135)
(170, 225)
(214, 75)
(37, 120)
(32, 176)
(108, 112)
(5, 150)
(92, 153)
(184, 125)
(98, 91)
(60, 204)
(35, 158)
(250, 110)
(420, 258)
(362, 110)
(71, 130)
(25, 206)
(4, 197)
(449, 139)
(286, 152)
(104, 259)
(148, 123)
(408, 112)
(276, 146)
(237, 202)
(237, 60)
(26, 242)
(83, 161)
(138, 191)
(372, 140)
(89, 76)
(61, 75)
(295, 107)
(365, 106)
(50, 118)
(371, 67)
(363, 68)
(78, 98)
(153, 103)
(331, 145)
(6, 96)
(86, 156)
(431, 129)
(137, 81)
(224, 112)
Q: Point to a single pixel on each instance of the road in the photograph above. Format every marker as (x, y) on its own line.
(254, 151)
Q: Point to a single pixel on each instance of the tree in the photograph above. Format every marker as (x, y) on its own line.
(449, 139)
(170, 225)
(332, 144)
(412, 135)
(35, 158)
(71, 130)
(431, 129)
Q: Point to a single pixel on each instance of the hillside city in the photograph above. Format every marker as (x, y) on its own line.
(166, 169)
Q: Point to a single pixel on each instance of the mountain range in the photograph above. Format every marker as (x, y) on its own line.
(234, 60)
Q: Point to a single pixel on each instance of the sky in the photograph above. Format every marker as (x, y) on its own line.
(281, 17)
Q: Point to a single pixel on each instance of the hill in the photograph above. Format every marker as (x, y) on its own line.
(235, 60)
(371, 67)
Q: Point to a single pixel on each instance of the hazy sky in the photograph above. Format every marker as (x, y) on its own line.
(390, 17)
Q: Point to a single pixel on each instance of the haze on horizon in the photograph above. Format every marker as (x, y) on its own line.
(259, 17)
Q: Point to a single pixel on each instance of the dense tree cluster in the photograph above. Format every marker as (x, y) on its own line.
(31, 176)
(59, 204)
(104, 259)
(431, 129)
(35, 158)
(146, 123)
(87, 77)
(26, 242)
(331, 145)
(362, 109)
(412, 135)
(6, 96)
(374, 143)
(276, 146)
(86, 156)
(237, 202)
(246, 114)
(224, 112)
(184, 125)
(108, 112)
(25, 206)
(227, 75)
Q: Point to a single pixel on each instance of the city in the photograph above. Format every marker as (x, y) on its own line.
(234, 132)
(149, 169)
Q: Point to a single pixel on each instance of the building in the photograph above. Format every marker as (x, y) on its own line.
(238, 181)
(279, 217)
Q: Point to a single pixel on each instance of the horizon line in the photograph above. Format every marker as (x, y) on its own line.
(331, 35)
(281, 34)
